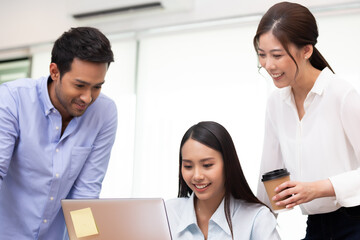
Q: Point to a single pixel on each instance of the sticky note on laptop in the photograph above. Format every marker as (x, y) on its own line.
(84, 222)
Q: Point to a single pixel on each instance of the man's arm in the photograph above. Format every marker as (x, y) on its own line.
(89, 181)
(9, 129)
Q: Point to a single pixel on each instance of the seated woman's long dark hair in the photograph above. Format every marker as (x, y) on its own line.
(217, 137)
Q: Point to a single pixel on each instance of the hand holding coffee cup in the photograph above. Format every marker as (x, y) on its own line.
(271, 180)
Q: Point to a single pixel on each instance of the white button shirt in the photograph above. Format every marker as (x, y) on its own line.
(325, 144)
(250, 221)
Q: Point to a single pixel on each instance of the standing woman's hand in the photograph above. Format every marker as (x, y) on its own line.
(302, 192)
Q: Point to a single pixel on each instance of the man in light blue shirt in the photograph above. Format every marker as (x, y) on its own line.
(56, 135)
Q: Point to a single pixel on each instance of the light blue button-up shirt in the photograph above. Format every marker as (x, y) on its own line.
(249, 221)
(39, 167)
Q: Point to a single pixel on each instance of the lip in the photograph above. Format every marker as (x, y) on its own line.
(80, 107)
(203, 188)
(276, 76)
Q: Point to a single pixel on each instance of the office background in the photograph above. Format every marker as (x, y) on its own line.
(190, 61)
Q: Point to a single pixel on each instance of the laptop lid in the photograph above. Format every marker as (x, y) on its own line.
(117, 218)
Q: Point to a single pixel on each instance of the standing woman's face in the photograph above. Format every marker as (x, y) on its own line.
(276, 61)
(203, 171)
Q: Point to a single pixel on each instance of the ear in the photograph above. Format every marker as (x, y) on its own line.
(308, 51)
(54, 72)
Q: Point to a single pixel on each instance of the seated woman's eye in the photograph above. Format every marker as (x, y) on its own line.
(187, 166)
(208, 165)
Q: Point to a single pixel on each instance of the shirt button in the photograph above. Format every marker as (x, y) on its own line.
(45, 220)
(57, 128)
(57, 175)
(51, 198)
(57, 150)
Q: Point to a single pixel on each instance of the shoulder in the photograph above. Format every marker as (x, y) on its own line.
(337, 84)
(177, 208)
(180, 213)
(274, 95)
(21, 90)
(254, 219)
(176, 203)
(101, 114)
(277, 97)
(19, 84)
(104, 101)
(253, 210)
(104, 107)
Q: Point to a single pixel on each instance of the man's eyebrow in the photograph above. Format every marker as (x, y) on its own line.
(86, 83)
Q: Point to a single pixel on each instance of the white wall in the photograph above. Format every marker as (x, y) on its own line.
(120, 84)
(189, 77)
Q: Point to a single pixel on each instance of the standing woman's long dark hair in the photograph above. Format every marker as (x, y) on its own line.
(217, 137)
(292, 23)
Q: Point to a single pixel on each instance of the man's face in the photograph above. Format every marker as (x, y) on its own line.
(77, 89)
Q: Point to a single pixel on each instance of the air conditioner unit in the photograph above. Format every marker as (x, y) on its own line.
(90, 9)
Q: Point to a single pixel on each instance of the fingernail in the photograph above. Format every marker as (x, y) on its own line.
(277, 203)
(274, 198)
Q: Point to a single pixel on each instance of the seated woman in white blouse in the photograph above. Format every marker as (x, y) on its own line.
(214, 200)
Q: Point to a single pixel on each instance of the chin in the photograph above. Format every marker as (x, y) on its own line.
(279, 85)
(76, 113)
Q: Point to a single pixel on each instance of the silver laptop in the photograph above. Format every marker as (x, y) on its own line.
(117, 218)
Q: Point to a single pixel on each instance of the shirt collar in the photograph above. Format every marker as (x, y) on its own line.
(188, 218)
(48, 107)
(318, 88)
(322, 81)
(219, 216)
(285, 93)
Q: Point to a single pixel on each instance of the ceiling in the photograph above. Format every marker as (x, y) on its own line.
(31, 23)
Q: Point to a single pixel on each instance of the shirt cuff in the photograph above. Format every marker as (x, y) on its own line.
(346, 186)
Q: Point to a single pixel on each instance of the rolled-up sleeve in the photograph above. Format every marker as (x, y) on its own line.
(347, 184)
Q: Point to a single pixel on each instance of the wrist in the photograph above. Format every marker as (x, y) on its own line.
(325, 188)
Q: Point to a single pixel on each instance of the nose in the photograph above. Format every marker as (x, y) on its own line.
(198, 175)
(269, 63)
(86, 97)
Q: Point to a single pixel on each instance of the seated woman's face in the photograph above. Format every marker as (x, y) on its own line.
(203, 170)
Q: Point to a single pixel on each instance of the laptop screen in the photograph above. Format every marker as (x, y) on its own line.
(117, 218)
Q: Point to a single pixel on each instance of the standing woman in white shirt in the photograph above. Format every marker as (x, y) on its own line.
(312, 125)
(214, 200)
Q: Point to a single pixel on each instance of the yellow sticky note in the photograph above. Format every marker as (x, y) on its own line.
(84, 222)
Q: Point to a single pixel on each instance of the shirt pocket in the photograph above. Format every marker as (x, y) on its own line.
(78, 158)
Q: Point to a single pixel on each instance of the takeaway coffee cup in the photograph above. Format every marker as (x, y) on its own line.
(273, 179)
